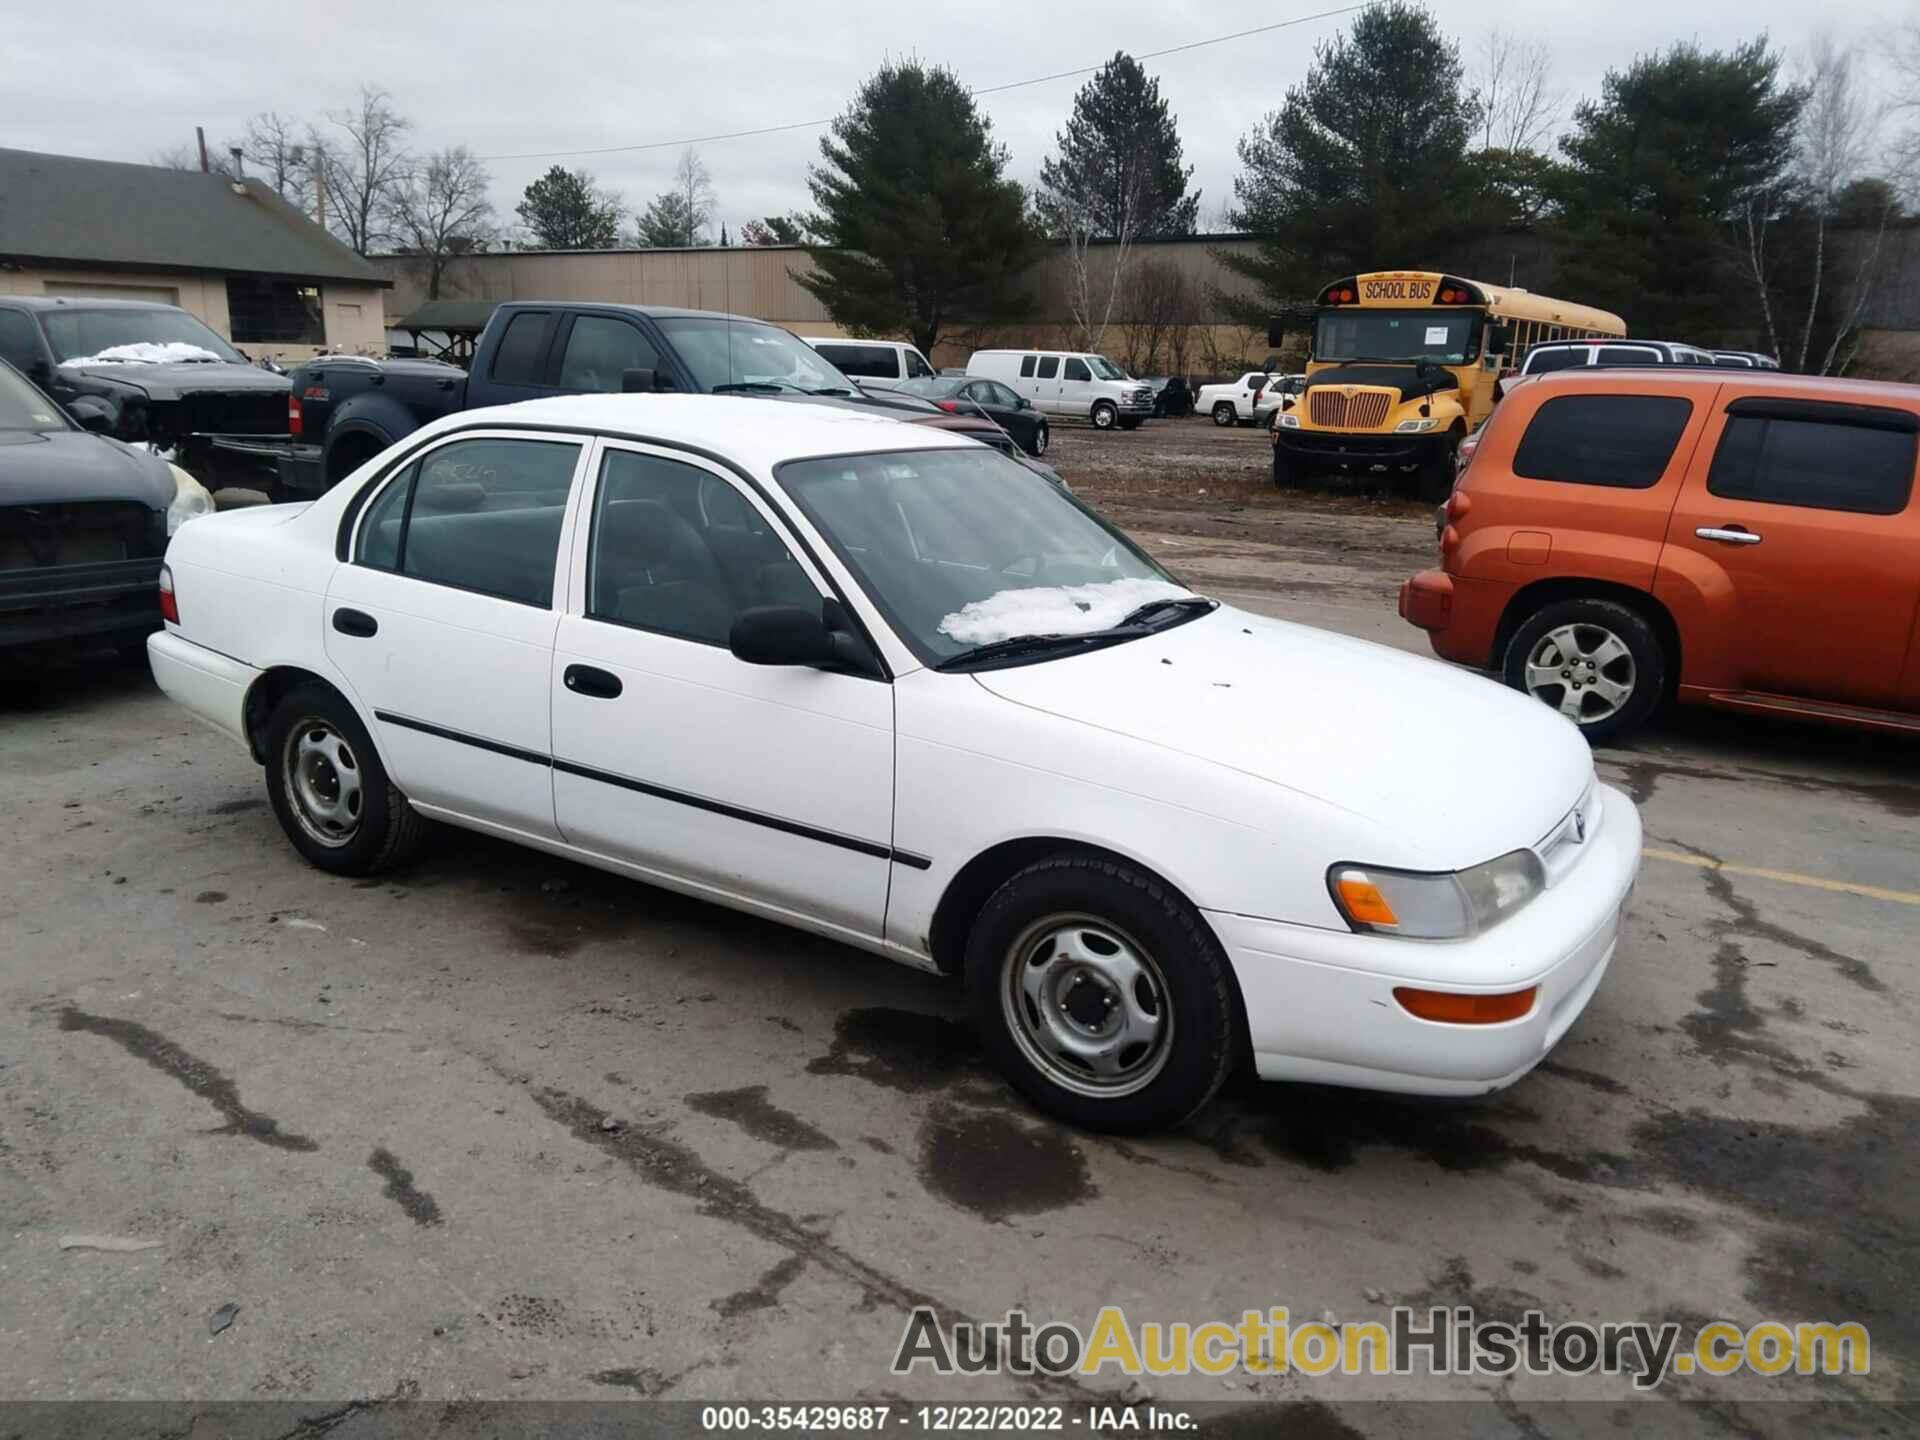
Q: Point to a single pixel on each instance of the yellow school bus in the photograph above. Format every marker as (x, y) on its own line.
(1403, 367)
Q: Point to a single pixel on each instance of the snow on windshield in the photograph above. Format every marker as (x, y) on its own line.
(145, 352)
(1055, 610)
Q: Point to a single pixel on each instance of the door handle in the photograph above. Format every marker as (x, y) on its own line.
(586, 680)
(1728, 534)
(355, 622)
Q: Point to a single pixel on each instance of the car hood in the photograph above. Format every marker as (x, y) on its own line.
(1458, 768)
(41, 469)
(170, 382)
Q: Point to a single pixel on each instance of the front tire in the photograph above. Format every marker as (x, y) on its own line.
(329, 790)
(1101, 994)
(1287, 474)
(1597, 662)
(1041, 438)
(1224, 416)
(1104, 415)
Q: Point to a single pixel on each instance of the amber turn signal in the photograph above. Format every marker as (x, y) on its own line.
(1452, 1009)
(1364, 902)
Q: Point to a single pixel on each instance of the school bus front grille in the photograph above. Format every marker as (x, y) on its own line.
(1331, 410)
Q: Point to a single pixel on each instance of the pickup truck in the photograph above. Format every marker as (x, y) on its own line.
(346, 409)
(1248, 400)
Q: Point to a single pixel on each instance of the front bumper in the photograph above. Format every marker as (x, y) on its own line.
(72, 602)
(1335, 447)
(1320, 1005)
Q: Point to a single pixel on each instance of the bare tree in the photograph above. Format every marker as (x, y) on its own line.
(1513, 76)
(1100, 233)
(365, 168)
(444, 211)
(276, 151)
(1159, 319)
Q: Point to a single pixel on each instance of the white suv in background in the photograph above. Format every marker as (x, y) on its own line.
(875, 364)
(1069, 382)
(1250, 400)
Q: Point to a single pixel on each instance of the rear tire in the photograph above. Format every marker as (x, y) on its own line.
(1433, 481)
(329, 790)
(1132, 422)
(1104, 415)
(1606, 649)
(1223, 414)
(1102, 995)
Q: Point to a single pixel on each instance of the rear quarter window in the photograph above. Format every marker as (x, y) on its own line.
(1620, 441)
(866, 362)
(1542, 362)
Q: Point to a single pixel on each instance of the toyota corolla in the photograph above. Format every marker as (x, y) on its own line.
(884, 684)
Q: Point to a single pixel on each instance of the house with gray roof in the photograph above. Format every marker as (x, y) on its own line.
(229, 250)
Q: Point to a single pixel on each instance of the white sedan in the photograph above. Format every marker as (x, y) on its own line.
(884, 684)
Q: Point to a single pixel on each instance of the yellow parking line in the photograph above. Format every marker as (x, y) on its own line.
(1786, 877)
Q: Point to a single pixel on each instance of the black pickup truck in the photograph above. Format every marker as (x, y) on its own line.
(346, 409)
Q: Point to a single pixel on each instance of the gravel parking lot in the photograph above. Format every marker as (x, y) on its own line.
(501, 1126)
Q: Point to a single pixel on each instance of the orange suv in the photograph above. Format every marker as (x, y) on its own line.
(1745, 541)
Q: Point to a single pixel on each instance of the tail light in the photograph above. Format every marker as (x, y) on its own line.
(951, 407)
(169, 606)
(296, 423)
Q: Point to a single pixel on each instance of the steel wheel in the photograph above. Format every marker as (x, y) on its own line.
(323, 783)
(1584, 671)
(1087, 1006)
(1104, 416)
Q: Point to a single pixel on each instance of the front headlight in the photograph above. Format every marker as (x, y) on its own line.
(1287, 420)
(190, 500)
(1420, 906)
(1415, 427)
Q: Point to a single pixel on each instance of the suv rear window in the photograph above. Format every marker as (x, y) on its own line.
(1852, 461)
(1623, 441)
(1541, 362)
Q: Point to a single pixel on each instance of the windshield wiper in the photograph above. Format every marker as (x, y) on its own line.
(1175, 607)
(830, 390)
(766, 387)
(1022, 645)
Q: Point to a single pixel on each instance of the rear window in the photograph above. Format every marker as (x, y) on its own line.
(1821, 464)
(522, 347)
(867, 362)
(1622, 441)
(1543, 361)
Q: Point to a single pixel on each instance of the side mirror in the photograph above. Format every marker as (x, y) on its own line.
(638, 382)
(93, 414)
(1022, 403)
(781, 635)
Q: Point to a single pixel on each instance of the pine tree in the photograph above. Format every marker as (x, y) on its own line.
(565, 210)
(1119, 160)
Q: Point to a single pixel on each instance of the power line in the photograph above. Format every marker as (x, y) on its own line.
(983, 90)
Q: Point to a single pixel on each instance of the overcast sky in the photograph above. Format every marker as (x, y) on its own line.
(510, 78)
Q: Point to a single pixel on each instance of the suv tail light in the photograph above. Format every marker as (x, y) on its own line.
(169, 607)
(296, 422)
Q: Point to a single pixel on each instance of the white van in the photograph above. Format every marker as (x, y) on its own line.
(1068, 382)
(878, 364)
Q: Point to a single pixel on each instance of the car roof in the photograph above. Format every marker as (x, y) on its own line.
(757, 433)
(79, 302)
(1691, 379)
(656, 312)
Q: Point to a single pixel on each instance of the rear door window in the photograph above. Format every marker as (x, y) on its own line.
(517, 360)
(1821, 457)
(1623, 441)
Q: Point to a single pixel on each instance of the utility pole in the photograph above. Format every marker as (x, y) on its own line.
(200, 134)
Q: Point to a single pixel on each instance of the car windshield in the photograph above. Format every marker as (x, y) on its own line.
(1105, 369)
(133, 337)
(1445, 337)
(938, 388)
(965, 548)
(743, 354)
(23, 407)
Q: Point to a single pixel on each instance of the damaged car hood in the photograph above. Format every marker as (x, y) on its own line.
(171, 381)
(1461, 768)
(47, 468)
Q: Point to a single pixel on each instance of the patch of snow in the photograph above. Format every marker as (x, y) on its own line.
(1055, 610)
(145, 352)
